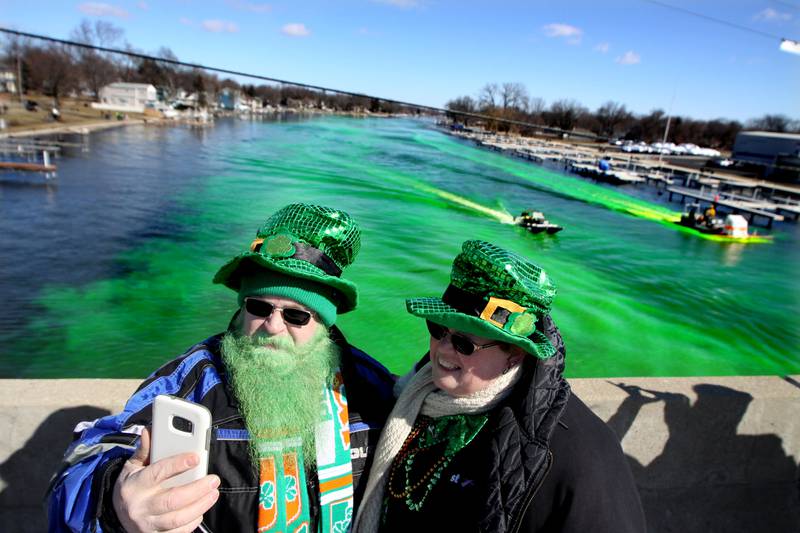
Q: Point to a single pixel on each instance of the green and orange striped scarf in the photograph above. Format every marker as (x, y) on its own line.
(283, 504)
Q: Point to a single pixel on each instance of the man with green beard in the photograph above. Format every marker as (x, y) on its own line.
(296, 409)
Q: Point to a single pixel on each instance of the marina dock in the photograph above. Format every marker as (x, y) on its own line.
(20, 165)
(608, 176)
(756, 199)
(31, 155)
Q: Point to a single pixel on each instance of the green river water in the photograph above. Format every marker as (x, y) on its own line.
(636, 297)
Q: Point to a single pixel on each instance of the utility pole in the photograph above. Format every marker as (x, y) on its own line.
(19, 74)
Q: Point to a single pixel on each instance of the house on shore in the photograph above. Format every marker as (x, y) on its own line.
(8, 81)
(127, 97)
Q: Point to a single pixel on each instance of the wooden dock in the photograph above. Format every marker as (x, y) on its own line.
(616, 177)
(33, 167)
(28, 149)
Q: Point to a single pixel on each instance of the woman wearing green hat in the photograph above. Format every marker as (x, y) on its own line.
(485, 435)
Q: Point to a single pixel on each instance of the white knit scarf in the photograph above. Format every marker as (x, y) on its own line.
(420, 396)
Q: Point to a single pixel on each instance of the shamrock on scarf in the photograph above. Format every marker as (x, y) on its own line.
(266, 497)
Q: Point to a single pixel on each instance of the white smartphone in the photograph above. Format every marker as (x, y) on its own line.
(180, 426)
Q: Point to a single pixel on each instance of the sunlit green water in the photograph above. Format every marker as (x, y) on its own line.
(636, 297)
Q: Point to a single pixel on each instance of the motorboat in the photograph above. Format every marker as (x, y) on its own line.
(731, 228)
(535, 222)
(703, 221)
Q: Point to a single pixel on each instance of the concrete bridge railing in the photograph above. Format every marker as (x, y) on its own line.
(708, 454)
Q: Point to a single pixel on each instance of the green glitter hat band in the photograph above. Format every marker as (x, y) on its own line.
(284, 245)
(496, 294)
(306, 241)
(504, 314)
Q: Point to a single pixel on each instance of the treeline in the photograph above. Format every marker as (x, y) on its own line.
(613, 120)
(59, 70)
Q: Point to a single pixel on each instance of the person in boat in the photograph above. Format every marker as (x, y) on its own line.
(486, 434)
(694, 216)
(531, 217)
(710, 214)
(604, 164)
(296, 409)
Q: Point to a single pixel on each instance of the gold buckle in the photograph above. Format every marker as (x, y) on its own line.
(494, 303)
(256, 243)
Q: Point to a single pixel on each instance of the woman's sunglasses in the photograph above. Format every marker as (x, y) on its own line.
(460, 342)
(262, 309)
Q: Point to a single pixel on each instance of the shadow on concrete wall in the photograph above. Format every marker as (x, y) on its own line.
(708, 478)
(28, 470)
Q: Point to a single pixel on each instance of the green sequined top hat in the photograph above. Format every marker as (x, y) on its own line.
(306, 241)
(495, 294)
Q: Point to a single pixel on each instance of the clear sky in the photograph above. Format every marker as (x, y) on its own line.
(428, 51)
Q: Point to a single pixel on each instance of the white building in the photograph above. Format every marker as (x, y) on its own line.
(8, 81)
(130, 97)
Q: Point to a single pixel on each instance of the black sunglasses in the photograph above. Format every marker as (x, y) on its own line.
(460, 342)
(262, 309)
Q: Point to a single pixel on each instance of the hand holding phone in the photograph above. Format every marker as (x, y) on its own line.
(180, 426)
(146, 496)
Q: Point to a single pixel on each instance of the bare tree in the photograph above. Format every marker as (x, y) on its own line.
(128, 65)
(51, 70)
(462, 103)
(609, 116)
(775, 123)
(513, 95)
(96, 69)
(534, 110)
(564, 114)
(199, 88)
(653, 125)
(488, 96)
(168, 73)
(536, 105)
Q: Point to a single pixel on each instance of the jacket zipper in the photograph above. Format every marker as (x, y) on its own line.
(535, 489)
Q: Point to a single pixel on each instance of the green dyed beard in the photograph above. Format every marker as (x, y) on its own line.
(279, 386)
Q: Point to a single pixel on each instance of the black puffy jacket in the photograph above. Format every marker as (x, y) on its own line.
(542, 463)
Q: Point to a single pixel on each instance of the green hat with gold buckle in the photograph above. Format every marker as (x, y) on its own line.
(304, 241)
(495, 294)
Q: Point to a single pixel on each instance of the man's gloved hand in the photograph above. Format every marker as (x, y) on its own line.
(143, 505)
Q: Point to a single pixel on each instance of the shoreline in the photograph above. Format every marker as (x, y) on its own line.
(504, 142)
(75, 128)
(83, 128)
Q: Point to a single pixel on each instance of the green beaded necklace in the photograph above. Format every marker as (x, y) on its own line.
(455, 432)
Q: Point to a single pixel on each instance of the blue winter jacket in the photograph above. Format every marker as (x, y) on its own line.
(79, 498)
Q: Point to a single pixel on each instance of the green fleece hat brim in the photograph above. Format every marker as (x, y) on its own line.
(316, 297)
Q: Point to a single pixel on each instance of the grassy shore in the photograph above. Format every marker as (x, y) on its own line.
(76, 115)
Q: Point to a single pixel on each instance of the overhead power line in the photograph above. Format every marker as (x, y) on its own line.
(716, 20)
(437, 110)
(139, 55)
